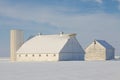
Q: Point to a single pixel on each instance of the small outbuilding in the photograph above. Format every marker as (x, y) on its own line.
(99, 50)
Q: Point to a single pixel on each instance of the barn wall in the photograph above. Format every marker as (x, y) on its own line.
(95, 56)
(73, 46)
(70, 56)
(110, 54)
(72, 50)
(95, 52)
(37, 57)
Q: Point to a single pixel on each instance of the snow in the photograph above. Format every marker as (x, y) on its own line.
(64, 70)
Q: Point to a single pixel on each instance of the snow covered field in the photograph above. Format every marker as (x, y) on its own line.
(69, 70)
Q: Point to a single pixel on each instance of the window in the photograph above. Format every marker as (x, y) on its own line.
(54, 55)
(33, 55)
(39, 55)
(26, 55)
(46, 54)
(19, 55)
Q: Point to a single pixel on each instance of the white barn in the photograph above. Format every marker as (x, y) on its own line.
(99, 50)
(58, 47)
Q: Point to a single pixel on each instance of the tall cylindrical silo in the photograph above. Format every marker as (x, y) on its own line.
(16, 40)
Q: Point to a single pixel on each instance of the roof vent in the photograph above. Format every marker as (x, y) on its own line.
(61, 33)
(39, 34)
(94, 41)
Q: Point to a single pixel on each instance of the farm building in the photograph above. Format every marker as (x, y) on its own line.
(99, 50)
(58, 47)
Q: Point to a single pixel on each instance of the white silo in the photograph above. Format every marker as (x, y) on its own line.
(16, 40)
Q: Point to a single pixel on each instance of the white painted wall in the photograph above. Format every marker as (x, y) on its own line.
(72, 45)
(70, 56)
(37, 57)
(95, 52)
(72, 50)
(110, 53)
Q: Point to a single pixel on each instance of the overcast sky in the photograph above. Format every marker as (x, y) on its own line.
(90, 19)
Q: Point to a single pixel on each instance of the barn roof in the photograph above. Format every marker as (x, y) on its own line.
(105, 44)
(45, 43)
